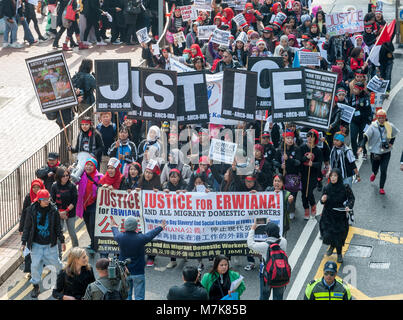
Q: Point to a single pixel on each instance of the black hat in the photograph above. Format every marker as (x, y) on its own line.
(53, 156)
(272, 230)
(330, 266)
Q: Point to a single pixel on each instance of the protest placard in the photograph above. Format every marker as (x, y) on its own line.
(118, 204)
(142, 35)
(345, 22)
(221, 37)
(262, 65)
(192, 98)
(240, 19)
(51, 80)
(240, 4)
(179, 37)
(159, 94)
(186, 12)
(222, 151)
(309, 58)
(202, 225)
(320, 92)
(113, 85)
(156, 49)
(204, 32)
(288, 94)
(378, 85)
(239, 95)
(202, 4)
(347, 112)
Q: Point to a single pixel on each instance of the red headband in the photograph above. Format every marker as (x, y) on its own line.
(174, 170)
(86, 121)
(288, 134)
(249, 178)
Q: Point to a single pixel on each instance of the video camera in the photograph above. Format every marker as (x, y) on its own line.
(116, 269)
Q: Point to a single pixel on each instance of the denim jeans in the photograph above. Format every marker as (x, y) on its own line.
(11, 28)
(43, 255)
(27, 32)
(71, 228)
(138, 283)
(349, 181)
(265, 291)
(357, 131)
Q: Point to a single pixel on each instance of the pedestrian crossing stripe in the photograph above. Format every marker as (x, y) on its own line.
(357, 294)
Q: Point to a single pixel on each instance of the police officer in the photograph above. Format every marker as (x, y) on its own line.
(328, 288)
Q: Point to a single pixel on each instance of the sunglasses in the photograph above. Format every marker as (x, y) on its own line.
(329, 273)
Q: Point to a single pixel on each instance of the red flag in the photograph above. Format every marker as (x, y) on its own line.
(385, 36)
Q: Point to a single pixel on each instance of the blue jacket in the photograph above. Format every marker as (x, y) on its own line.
(131, 246)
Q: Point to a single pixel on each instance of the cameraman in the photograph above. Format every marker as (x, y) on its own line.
(191, 289)
(380, 136)
(131, 245)
(94, 291)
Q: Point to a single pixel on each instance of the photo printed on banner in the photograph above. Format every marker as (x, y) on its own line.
(192, 98)
(288, 94)
(239, 95)
(51, 80)
(320, 92)
(262, 65)
(113, 85)
(159, 94)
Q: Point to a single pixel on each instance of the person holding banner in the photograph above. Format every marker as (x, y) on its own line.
(176, 161)
(218, 281)
(264, 168)
(380, 136)
(312, 159)
(338, 200)
(131, 178)
(87, 196)
(152, 139)
(113, 178)
(88, 140)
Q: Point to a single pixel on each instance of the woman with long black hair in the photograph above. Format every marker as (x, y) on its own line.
(338, 200)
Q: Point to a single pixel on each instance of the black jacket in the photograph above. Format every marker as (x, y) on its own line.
(42, 173)
(73, 286)
(65, 195)
(96, 144)
(8, 9)
(31, 221)
(187, 291)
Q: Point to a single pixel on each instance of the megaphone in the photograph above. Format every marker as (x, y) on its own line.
(78, 170)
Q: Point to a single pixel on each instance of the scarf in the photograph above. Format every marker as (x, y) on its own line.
(32, 194)
(55, 166)
(387, 126)
(112, 181)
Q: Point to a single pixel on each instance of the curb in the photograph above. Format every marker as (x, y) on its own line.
(13, 263)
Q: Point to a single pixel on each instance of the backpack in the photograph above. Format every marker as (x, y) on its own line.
(108, 294)
(277, 270)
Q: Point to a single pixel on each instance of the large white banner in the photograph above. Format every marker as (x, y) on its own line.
(345, 22)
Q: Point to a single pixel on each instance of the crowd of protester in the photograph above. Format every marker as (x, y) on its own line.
(129, 154)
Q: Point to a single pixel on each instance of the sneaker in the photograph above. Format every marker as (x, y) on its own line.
(292, 216)
(6, 45)
(117, 42)
(35, 291)
(306, 214)
(101, 43)
(364, 157)
(43, 39)
(171, 264)
(339, 258)
(150, 263)
(372, 177)
(250, 266)
(17, 45)
(381, 191)
(50, 35)
(33, 42)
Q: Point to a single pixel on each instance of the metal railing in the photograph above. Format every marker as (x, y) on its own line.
(15, 186)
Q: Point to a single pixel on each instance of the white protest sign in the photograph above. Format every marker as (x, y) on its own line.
(186, 12)
(156, 49)
(309, 58)
(378, 85)
(179, 37)
(204, 32)
(347, 112)
(239, 19)
(221, 37)
(345, 22)
(142, 35)
(222, 151)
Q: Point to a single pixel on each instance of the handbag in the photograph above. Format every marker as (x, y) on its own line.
(66, 22)
(70, 13)
(293, 182)
(169, 37)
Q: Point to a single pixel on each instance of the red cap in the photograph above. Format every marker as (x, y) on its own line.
(42, 194)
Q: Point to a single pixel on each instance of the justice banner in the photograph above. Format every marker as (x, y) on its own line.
(118, 204)
(345, 22)
(51, 80)
(203, 225)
